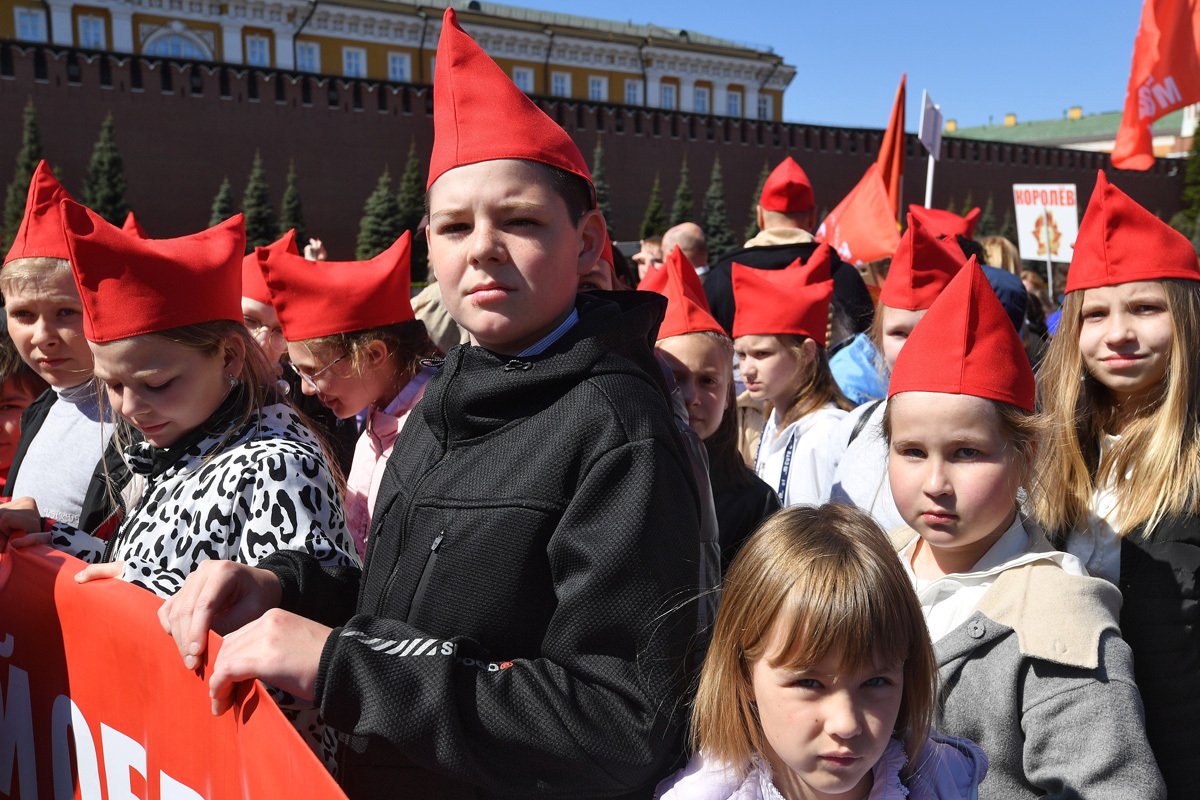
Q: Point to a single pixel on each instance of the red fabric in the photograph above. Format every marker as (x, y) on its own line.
(480, 115)
(794, 300)
(86, 666)
(41, 231)
(322, 298)
(891, 151)
(862, 228)
(1165, 76)
(687, 306)
(133, 227)
(131, 286)
(253, 284)
(946, 223)
(1119, 242)
(787, 189)
(655, 280)
(921, 268)
(966, 344)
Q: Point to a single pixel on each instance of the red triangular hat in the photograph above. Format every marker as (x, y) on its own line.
(794, 300)
(921, 268)
(41, 232)
(1119, 242)
(787, 189)
(479, 114)
(655, 280)
(323, 298)
(133, 227)
(131, 286)
(966, 344)
(946, 223)
(687, 307)
(253, 285)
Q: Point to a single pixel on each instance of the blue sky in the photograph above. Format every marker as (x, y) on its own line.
(977, 58)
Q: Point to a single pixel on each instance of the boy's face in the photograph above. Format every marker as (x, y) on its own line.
(506, 253)
(45, 321)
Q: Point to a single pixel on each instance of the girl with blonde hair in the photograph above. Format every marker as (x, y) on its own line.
(820, 677)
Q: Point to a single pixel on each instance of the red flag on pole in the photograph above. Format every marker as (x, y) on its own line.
(863, 226)
(1165, 76)
(891, 152)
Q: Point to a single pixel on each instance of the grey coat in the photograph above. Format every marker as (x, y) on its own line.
(1041, 679)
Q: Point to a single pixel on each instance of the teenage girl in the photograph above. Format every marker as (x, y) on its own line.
(1029, 652)
(781, 351)
(700, 357)
(820, 680)
(1119, 476)
(855, 456)
(354, 343)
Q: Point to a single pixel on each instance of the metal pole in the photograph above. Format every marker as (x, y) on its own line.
(929, 183)
(1049, 259)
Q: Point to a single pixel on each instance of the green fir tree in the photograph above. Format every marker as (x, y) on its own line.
(600, 181)
(967, 205)
(752, 225)
(256, 205)
(1196, 235)
(1191, 181)
(104, 186)
(1183, 222)
(682, 205)
(381, 224)
(291, 210)
(18, 189)
(654, 223)
(1008, 228)
(222, 204)
(715, 219)
(410, 197)
(987, 220)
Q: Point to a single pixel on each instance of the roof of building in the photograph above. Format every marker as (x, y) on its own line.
(1091, 127)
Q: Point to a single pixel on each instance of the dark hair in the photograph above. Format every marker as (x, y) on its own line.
(407, 342)
(970, 247)
(577, 193)
(625, 272)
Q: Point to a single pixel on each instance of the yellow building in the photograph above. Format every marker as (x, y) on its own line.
(549, 54)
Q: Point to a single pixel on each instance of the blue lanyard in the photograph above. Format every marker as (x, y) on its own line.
(787, 458)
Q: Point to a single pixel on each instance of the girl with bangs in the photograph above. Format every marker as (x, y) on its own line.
(1119, 475)
(1029, 652)
(820, 680)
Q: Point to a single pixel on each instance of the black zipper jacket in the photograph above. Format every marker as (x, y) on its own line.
(533, 603)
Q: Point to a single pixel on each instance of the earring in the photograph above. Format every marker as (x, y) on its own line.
(232, 381)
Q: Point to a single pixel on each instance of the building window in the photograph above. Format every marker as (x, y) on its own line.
(354, 62)
(399, 67)
(700, 100)
(258, 51)
(177, 45)
(91, 32)
(667, 96)
(523, 78)
(633, 93)
(308, 56)
(766, 106)
(733, 103)
(31, 24)
(560, 84)
(597, 88)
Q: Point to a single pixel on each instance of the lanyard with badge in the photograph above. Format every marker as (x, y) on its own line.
(787, 457)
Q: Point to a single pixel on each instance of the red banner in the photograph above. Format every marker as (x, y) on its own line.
(891, 151)
(95, 701)
(862, 227)
(1165, 76)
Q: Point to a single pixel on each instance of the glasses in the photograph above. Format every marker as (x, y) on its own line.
(274, 335)
(311, 380)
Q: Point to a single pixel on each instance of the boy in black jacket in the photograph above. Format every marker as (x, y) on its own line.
(530, 606)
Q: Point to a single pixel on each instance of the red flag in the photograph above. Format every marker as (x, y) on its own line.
(863, 226)
(1165, 76)
(891, 152)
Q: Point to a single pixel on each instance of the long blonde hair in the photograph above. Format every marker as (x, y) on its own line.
(817, 387)
(830, 576)
(1155, 468)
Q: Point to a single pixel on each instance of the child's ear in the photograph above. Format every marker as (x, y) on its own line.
(376, 352)
(592, 231)
(234, 356)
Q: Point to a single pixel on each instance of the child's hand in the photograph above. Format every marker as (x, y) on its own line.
(221, 596)
(281, 648)
(15, 521)
(92, 572)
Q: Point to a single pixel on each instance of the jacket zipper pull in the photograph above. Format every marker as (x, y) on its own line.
(516, 365)
(437, 542)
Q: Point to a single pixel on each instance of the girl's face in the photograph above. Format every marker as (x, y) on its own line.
(770, 370)
(45, 321)
(895, 325)
(331, 376)
(1125, 336)
(163, 388)
(263, 324)
(703, 373)
(15, 397)
(953, 475)
(826, 726)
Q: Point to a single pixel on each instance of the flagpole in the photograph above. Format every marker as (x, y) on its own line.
(929, 183)
(1049, 258)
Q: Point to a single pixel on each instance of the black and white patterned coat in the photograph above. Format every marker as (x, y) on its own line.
(265, 488)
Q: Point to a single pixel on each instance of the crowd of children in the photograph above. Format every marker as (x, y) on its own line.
(566, 557)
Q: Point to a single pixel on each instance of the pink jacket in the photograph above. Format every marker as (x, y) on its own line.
(371, 454)
(951, 769)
